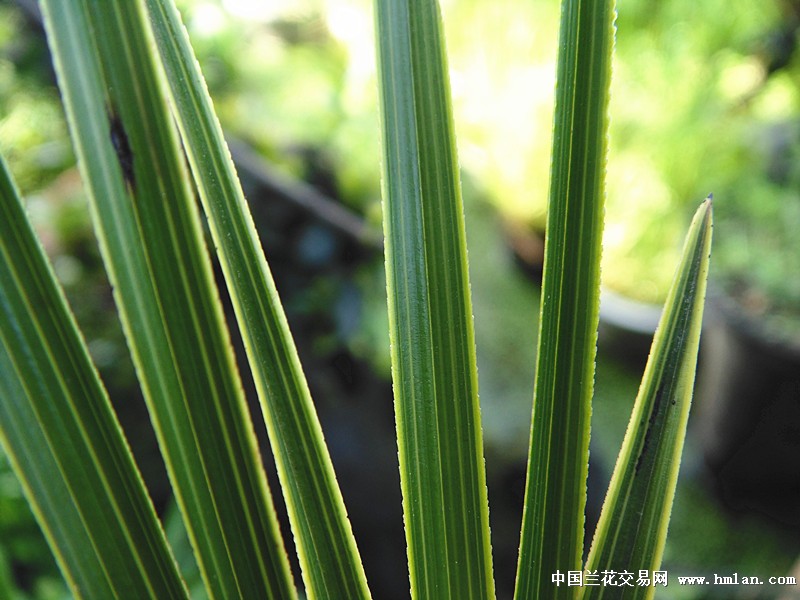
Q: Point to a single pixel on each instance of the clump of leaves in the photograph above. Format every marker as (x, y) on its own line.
(136, 103)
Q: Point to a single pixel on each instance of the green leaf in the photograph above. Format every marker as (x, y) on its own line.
(7, 587)
(633, 524)
(555, 496)
(151, 239)
(433, 349)
(61, 435)
(328, 556)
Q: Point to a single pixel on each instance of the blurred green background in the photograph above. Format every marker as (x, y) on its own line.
(705, 98)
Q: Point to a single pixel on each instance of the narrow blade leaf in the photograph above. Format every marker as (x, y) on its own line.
(433, 349)
(633, 524)
(326, 548)
(62, 437)
(555, 495)
(151, 240)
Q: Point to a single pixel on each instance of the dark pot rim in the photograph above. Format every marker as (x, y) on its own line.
(628, 314)
(750, 328)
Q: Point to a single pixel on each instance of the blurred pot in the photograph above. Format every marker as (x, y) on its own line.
(748, 412)
(627, 326)
(527, 246)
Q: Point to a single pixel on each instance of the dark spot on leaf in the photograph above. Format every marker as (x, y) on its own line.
(119, 139)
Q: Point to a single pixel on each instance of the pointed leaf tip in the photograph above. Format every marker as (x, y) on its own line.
(633, 524)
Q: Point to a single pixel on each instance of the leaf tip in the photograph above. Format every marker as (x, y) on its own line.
(706, 209)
